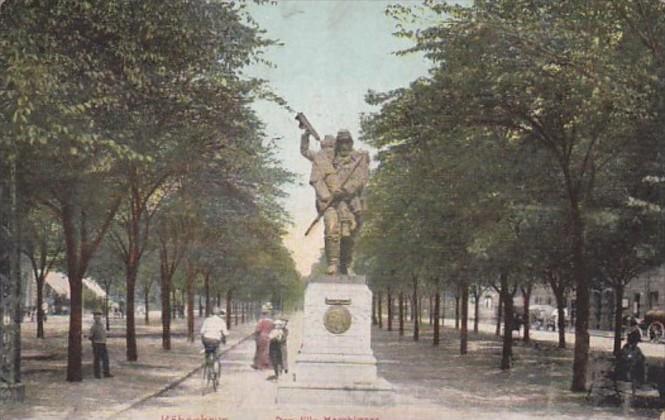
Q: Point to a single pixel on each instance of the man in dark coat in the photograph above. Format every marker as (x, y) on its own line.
(97, 337)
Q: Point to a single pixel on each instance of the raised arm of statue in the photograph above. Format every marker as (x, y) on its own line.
(304, 146)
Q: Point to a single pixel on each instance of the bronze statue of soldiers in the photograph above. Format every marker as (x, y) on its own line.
(339, 175)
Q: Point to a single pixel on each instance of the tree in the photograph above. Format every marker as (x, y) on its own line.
(524, 67)
(106, 106)
(42, 245)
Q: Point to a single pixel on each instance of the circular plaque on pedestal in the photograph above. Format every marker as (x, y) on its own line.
(337, 319)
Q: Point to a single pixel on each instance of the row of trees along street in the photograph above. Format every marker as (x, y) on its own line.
(531, 153)
(138, 156)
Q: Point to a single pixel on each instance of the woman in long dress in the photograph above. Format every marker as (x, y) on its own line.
(261, 336)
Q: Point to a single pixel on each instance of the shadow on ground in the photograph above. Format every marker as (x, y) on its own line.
(536, 385)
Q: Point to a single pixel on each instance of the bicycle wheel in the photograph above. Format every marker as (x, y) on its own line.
(655, 331)
(218, 370)
(207, 370)
(214, 380)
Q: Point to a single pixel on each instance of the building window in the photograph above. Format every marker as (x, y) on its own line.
(549, 300)
(653, 299)
(488, 302)
(636, 305)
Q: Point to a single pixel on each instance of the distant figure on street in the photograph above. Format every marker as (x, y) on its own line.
(277, 338)
(214, 330)
(285, 351)
(261, 336)
(97, 337)
(632, 363)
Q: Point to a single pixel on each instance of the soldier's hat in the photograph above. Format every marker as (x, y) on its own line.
(344, 136)
(98, 313)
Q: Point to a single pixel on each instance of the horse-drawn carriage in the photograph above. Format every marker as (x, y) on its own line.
(545, 317)
(653, 326)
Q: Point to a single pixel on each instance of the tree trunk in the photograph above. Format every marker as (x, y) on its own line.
(228, 308)
(165, 285)
(415, 310)
(507, 351)
(401, 313)
(464, 331)
(443, 307)
(174, 300)
(582, 298)
(74, 348)
(389, 299)
(379, 311)
(437, 316)
(430, 309)
(618, 317)
(457, 311)
(76, 294)
(374, 320)
(183, 302)
(106, 306)
(526, 294)
(235, 313)
(190, 306)
(206, 285)
(420, 310)
(561, 321)
(130, 323)
(146, 296)
(40, 309)
(243, 308)
(200, 306)
(476, 312)
(499, 314)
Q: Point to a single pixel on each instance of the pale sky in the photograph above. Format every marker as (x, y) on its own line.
(333, 53)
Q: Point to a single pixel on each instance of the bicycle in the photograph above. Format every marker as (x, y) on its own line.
(212, 368)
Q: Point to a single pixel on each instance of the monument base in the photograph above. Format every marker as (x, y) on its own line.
(12, 392)
(378, 393)
(335, 363)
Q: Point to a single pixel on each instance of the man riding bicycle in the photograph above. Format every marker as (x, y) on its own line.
(214, 331)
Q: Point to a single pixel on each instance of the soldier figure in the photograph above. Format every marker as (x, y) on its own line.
(352, 173)
(323, 179)
(339, 174)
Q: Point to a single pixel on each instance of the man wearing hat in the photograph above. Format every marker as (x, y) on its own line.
(347, 186)
(214, 330)
(97, 336)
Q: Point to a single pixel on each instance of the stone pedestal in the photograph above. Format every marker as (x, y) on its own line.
(335, 364)
(12, 392)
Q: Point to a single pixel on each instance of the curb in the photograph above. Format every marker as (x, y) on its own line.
(169, 386)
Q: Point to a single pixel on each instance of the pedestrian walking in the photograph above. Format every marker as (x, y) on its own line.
(97, 337)
(276, 339)
(285, 352)
(261, 336)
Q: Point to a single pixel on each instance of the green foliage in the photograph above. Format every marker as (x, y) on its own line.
(533, 148)
(122, 112)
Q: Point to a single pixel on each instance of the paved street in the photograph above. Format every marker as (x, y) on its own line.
(600, 340)
(44, 363)
(431, 383)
